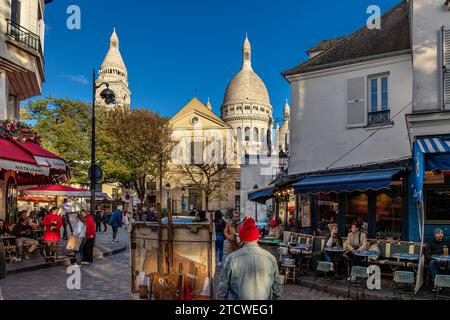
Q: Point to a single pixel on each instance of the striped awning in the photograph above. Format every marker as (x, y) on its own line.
(434, 145)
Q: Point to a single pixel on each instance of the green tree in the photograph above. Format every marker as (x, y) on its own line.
(64, 126)
(135, 147)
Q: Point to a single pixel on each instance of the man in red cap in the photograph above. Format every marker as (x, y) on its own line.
(250, 273)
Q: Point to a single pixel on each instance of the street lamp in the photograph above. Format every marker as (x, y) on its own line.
(256, 205)
(109, 97)
(283, 156)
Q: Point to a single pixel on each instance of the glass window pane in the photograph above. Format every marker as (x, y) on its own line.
(374, 95)
(327, 208)
(384, 93)
(388, 216)
(357, 207)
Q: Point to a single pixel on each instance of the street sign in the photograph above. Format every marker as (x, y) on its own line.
(98, 173)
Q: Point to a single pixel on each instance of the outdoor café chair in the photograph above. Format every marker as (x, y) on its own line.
(358, 272)
(404, 278)
(325, 267)
(441, 282)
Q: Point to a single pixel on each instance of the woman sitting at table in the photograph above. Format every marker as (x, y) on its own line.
(356, 241)
(333, 239)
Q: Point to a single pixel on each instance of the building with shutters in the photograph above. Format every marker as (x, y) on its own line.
(371, 129)
(350, 151)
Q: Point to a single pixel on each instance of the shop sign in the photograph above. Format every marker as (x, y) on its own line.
(434, 178)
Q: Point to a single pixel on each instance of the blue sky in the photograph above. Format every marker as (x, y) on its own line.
(178, 49)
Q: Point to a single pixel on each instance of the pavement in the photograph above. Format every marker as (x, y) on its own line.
(108, 278)
(103, 248)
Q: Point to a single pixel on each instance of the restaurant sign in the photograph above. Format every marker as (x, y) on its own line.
(434, 178)
(24, 167)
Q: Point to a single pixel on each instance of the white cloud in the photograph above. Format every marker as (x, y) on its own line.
(76, 78)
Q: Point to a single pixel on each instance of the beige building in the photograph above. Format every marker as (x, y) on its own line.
(203, 138)
(21, 53)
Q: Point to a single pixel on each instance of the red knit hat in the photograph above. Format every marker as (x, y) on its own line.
(272, 223)
(249, 232)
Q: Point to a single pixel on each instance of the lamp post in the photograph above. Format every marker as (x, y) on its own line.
(109, 97)
(256, 205)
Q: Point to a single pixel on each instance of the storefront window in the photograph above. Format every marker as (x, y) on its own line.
(327, 210)
(389, 211)
(357, 207)
(437, 205)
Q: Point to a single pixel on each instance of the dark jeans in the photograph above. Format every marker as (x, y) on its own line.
(88, 254)
(115, 230)
(79, 253)
(219, 246)
(434, 267)
(105, 225)
(64, 222)
(98, 227)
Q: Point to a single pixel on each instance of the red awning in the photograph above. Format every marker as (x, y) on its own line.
(57, 190)
(42, 156)
(13, 157)
(28, 157)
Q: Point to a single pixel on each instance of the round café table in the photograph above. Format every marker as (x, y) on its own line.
(408, 257)
(299, 250)
(366, 254)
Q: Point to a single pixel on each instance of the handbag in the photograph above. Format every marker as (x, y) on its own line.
(73, 244)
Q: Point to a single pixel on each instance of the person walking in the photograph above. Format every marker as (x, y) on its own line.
(88, 253)
(80, 232)
(116, 222)
(250, 273)
(220, 225)
(231, 232)
(98, 221)
(106, 216)
(126, 220)
(52, 224)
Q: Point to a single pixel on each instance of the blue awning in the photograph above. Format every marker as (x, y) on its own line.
(434, 145)
(347, 182)
(261, 194)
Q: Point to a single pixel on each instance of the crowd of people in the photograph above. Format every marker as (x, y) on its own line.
(48, 227)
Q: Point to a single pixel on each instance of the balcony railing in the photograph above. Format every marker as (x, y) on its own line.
(379, 117)
(23, 35)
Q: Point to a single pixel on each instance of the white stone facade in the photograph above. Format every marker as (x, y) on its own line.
(114, 72)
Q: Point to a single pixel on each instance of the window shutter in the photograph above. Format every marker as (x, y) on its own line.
(356, 103)
(446, 67)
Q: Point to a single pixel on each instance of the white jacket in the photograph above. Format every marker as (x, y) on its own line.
(80, 230)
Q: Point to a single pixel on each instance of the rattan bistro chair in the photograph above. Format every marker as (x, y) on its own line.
(325, 268)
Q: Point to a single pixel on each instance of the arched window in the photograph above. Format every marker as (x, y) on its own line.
(255, 135)
(263, 136)
(247, 134)
(239, 134)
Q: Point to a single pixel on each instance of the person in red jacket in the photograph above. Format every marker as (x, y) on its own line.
(52, 224)
(88, 254)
